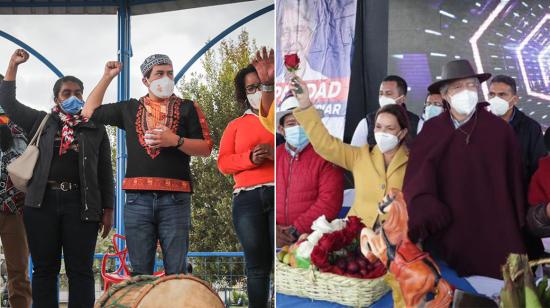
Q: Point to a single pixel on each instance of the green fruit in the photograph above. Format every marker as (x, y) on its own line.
(302, 263)
(280, 255)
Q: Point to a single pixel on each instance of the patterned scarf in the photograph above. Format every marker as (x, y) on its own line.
(151, 113)
(69, 121)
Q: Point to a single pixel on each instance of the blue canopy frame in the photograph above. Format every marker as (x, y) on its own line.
(124, 54)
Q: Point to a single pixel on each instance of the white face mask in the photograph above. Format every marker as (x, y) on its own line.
(386, 141)
(464, 102)
(163, 87)
(499, 106)
(255, 99)
(384, 100)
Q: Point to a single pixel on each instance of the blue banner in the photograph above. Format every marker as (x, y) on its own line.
(321, 33)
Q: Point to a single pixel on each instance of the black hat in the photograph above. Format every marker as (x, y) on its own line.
(455, 70)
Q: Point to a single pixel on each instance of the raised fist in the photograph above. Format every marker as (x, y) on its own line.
(19, 56)
(112, 69)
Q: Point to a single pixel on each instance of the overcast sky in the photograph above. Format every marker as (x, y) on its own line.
(81, 44)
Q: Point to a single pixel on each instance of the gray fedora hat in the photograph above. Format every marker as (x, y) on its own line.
(454, 70)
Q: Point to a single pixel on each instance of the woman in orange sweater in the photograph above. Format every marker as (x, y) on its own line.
(246, 152)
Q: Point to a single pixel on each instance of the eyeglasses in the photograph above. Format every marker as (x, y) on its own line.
(252, 88)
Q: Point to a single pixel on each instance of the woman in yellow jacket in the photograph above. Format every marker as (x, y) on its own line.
(375, 169)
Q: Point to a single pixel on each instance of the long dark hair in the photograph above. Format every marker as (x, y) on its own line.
(240, 89)
(400, 113)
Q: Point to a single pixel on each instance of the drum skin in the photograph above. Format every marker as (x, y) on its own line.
(154, 292)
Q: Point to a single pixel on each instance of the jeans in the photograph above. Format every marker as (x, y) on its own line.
(55, 226)
(253, 220)
(157, 216)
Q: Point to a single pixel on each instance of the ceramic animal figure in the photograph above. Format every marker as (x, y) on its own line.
(415, 271)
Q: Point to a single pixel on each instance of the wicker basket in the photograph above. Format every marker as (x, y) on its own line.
(328, 287)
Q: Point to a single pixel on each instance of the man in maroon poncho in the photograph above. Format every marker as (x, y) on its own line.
(463, 184)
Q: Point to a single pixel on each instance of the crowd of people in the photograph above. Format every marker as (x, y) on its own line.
(70, 197)
(475, 174)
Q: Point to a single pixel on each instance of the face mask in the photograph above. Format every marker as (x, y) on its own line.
(499, 106)
(255, 99)
(432, 111)
(384, 100)
(163, 87)
(72, 105)
(385, 141)
(464, 102)
(296, 136)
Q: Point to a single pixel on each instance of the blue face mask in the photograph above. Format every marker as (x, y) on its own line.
(296, 137)
(432, 111)
(72, 105)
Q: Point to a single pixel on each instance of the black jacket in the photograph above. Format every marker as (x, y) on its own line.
(531, 140)
(94, 156)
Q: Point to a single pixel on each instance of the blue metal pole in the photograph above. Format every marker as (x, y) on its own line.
(220, 37)
(124, 54)
(32, 52)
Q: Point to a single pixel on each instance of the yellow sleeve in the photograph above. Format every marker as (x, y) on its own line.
(326, 145)
(268, 121)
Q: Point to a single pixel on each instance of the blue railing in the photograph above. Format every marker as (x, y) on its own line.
(225, 271)
(220, 269)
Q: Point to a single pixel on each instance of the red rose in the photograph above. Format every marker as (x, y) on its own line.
(326, 242)
(355, 224)
(292, 62)
(338, 240)
(319, 257)
(349, 235)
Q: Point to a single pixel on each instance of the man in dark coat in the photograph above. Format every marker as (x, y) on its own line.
(503, 99)
(464, 181)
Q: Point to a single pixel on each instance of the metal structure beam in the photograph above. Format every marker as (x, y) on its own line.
(220, 36)
(33, 52)
(124, 54)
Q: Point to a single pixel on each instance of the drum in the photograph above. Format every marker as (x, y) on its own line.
(164, 292)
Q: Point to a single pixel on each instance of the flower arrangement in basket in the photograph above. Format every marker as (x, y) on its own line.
(328, 265)
(333, 248)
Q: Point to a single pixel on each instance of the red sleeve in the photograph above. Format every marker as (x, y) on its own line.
(329, 199)
(197, 125)
(230, 162)
(539, 188)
